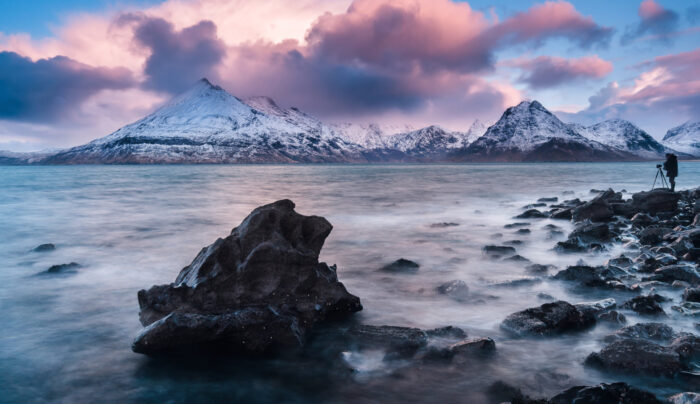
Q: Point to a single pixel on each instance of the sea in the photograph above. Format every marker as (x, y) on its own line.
(65, 337)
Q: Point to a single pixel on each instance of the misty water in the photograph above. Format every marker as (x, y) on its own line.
(66, 337)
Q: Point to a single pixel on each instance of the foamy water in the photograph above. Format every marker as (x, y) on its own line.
(67, 337)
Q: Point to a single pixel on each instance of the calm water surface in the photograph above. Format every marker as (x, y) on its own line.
(66, 338)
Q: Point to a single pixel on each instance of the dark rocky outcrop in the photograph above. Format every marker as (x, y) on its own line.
(597, 209)
(679, 272)
(619, 393)
(691, 295)
(549, 319)
(531, 214)
(647, 305)
(599, 277)
(259, 289)
(655, 201)
(63, 268)
(401, 265)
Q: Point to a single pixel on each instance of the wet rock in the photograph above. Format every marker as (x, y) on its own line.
(653, 235)
(498, 250)
(531, 214)
(401, 341)
(597, 209)
(659, 332)
(472, 347)
(443, 225)
(647, 305)
(523, 231)
(501, 392)
(680, 272)
(44, 247)
(549, 319)
(456, 289)
(691, 295)
(449, 332)
(516, 283)
(402, 266)
(643, 219)
(612, 316)
(688, 309)
(593, 232)
(513, 242)
(552, 199)
(63, 268)
(259, 289)
(622, 261)
(562, 213)
(684, 398)
(656, 262)
(655, 201)
(534, 205)
(601, 277)
(517, 258)
(618, 393)
(539, 268)
(636, 355)
(597, 307)
(516, 225)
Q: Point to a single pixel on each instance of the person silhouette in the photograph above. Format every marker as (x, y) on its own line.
(671, 167)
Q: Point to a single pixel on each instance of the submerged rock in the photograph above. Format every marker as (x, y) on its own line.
(63, 268)
(259, 289)
(549, 319)
(619, 393)
(44, 247)
(531, 214)
(456, 289)
(401, 265)
(692, 295)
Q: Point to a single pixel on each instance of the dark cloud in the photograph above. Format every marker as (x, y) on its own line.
(51, 89)
(548, 71)
(177, 58)
(655, 21)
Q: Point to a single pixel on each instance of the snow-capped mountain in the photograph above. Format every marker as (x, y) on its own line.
(529, 132)
(684, 138)
(623, 136)
(207, 124)
(430, 142)
(372, 135)
(476, 131)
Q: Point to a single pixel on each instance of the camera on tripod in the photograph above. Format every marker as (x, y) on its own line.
(660, 174)
(658, 166)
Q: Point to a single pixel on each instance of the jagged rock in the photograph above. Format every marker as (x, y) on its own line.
(259, 289)
(655, 201)
(404, 341)
(598, 307)
(456, 289)
(691, 295)
(652, 264)
(645, 305)
(680, 272)
(684, 398)
(517, 283)
(44, 247)
(601, 277)
(688, 309)
(622, 261)
(549, 319)
(593, 232)
(618, 393)
(531, 214)
(597, 209)
(401, 265)
(562, 213)
(450, 332)
(516, 258)
(63, 268)
(523, 231)
(471, 347)
(612, 316)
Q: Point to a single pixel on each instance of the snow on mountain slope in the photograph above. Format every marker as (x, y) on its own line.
(523, 133)
(623, 136)
(370, 136)
(431, 140)
(684, 138)
(476, 131)
(207, 124)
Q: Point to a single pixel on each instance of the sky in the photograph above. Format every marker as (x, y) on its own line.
(76, 70)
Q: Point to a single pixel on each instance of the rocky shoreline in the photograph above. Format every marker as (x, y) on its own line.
(262, 291)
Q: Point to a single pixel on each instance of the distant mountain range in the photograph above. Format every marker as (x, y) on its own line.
(208, 125)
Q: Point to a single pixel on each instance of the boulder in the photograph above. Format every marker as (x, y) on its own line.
(516, 225)
(498, 250)
(593, 232)
(402, 266)
(692, 295)
(653, 235)
(643, 220)
(618, 393)
(649, 331)
(531, 214)
(549, 319)
(472, 347)
(551, 199)
(562, 213)
(678, 272)
(597, 307)
(655, 201)
(612, 316)
(636, 355)
(597, 209)
(648, 305)
(259, 289)
(455, 289)
(63, 268)
(599, 277)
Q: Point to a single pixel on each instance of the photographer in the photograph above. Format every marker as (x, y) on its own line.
(671, 167)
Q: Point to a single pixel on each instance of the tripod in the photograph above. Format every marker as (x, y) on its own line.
(660, 173)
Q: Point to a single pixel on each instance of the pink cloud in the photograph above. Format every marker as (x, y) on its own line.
(650, 9)
(550, 71)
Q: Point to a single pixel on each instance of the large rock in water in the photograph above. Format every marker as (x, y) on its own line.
(655, 201)
(260, 288)
(549, 319)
